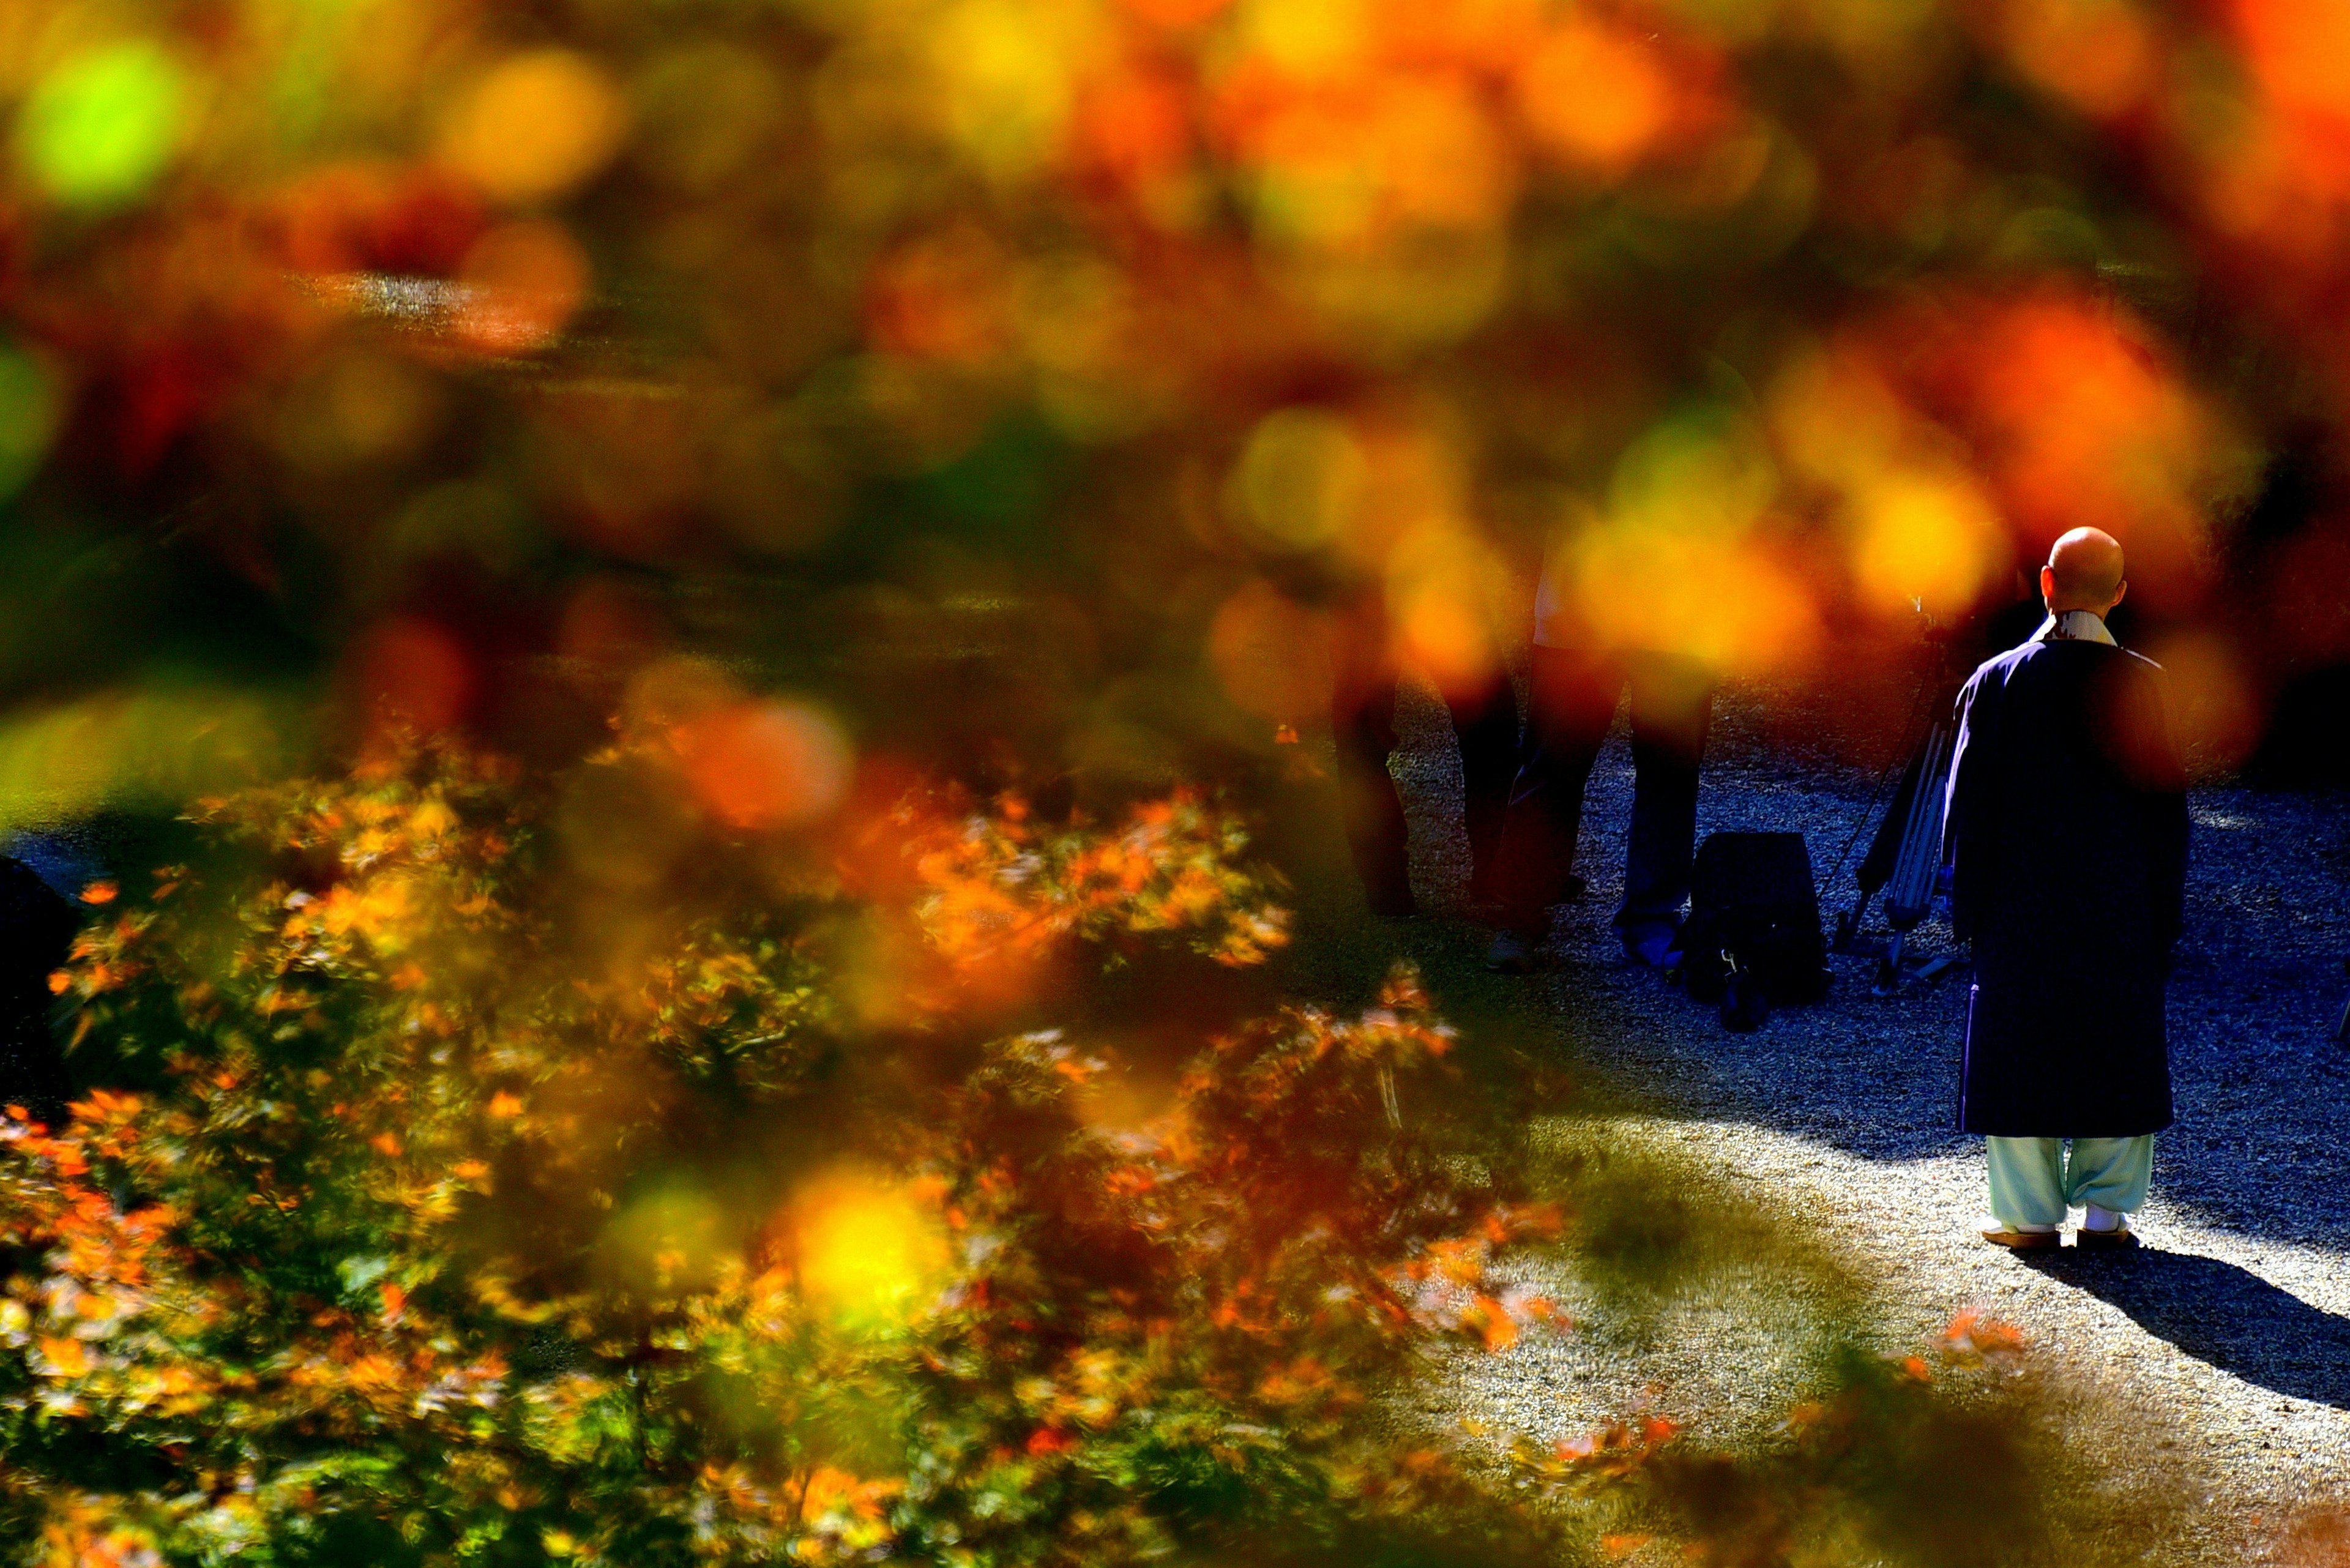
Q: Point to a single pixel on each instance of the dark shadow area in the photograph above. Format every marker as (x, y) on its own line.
(2222, 1315)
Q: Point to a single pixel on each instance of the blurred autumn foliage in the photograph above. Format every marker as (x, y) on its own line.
(711, 573)
(460, 1216)
(1020, 385)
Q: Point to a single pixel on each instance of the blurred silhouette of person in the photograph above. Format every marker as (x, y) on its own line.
(37, 932)
(1573, 687)
(1363, 706)
(2066, 830)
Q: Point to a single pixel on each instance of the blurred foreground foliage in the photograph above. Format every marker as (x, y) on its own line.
(446, 1224)
(841, 486)
(447, 1216)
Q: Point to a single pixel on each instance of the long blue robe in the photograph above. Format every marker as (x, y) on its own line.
(2066, 831)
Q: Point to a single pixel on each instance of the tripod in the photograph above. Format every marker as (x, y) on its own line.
(1904, 862)
(1905, 859)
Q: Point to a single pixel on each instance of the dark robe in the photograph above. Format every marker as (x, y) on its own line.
(2067, 837)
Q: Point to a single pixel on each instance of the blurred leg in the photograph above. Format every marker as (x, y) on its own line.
(1672, 707)
(2111, 1172)
(1362, 722)
(2027, 1180)
(1573, 701)
(1486, 725)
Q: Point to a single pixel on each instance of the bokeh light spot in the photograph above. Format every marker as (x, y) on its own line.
(2297, 49)
(1832, 419)
(1005, 70)
(1596, 96)
(1306, 36)
(1444, 159)
(1301, 479)
(535, 126)
(1439, 581)
(2097, 52)
(867, 1248)
(767, 764)
(1729, 607)
(100, 127)
(524, 281)
(1926, 538)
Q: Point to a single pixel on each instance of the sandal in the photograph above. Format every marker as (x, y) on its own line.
(2120, 1240)
(2024, 1240)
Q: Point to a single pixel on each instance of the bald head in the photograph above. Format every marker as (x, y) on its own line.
(2083, 573)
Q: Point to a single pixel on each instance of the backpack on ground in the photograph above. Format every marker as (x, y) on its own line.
(1753, 939)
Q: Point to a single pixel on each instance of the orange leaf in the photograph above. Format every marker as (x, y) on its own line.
(99, 893)
(1999, 1337)
(504, 1104)
(1969, 1332)
(1494, 1324)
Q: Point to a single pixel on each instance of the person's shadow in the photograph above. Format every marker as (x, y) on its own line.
(2221, 1315)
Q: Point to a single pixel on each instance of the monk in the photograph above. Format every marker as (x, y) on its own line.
(2067, 833)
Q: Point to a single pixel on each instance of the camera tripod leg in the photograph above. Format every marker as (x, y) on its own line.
(1888, 967)
(1847, 927)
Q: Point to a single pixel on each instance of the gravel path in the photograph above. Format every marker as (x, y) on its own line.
(2222, 1352)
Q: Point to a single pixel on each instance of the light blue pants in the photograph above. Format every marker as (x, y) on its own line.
(2034, 1179)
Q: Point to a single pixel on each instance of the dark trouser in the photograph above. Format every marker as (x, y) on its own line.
(1573, 703)
(1485, 723)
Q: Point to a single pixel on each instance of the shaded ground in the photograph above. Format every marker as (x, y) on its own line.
(2223, 1353)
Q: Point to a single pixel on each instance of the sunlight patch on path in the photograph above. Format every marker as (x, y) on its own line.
(2228, 1353)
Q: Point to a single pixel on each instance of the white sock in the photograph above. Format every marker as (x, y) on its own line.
(2027, 1229)
(2103, 1218)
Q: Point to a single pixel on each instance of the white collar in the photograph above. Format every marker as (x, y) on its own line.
(2075, 626)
